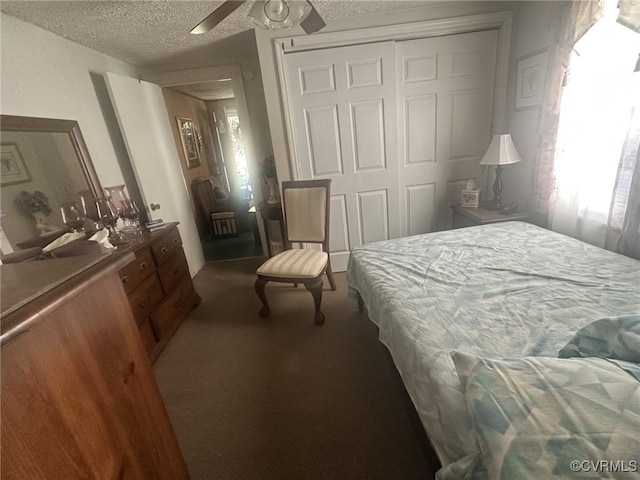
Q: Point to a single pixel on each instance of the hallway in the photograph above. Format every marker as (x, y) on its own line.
(241, 245)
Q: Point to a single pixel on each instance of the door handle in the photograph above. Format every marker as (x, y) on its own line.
(154, 206)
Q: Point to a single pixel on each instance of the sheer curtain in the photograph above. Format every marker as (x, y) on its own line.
(624, 218)
(575, 20)
(596, 150)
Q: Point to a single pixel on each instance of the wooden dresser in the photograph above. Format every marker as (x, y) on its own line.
(78, 397)
(158, 285)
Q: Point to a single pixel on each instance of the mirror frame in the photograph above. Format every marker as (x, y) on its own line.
(15, 123)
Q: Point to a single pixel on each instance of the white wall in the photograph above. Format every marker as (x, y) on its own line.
(536, 26)
(44, 75)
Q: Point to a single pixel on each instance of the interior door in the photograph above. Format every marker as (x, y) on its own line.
(445, 105)
(143, 120)
(344, 113)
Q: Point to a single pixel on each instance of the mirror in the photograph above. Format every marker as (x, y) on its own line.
(40, 155)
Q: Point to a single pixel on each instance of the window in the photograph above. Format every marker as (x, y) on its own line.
(595, 121)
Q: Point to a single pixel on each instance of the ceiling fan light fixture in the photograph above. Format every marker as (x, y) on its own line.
(276, 10)
(276, 14)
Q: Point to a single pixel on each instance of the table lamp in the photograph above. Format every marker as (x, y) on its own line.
(501, 152)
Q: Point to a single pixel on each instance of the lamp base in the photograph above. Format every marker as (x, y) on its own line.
(496, 201)
(494, 205)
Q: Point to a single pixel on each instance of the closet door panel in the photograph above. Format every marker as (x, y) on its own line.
(323, 138)
(445, 102)
(343, 108)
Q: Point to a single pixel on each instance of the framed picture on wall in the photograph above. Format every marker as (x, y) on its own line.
(531, 73)
(189, 141)
(12, 167)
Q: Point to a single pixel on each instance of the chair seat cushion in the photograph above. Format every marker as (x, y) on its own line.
(296, 263)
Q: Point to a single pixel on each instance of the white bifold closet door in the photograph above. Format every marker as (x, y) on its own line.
(399, 127)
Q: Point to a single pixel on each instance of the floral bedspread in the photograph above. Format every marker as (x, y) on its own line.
(501, 290)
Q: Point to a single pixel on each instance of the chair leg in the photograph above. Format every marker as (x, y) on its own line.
(259, 286)
(330, 276)
(316, 291)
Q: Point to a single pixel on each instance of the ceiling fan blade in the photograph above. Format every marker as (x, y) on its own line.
(314, 22)
(217, 16)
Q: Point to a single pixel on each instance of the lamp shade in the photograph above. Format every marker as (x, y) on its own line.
(501, 151)
(276, 14)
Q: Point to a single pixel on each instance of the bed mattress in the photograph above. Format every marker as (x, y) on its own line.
(502, 290)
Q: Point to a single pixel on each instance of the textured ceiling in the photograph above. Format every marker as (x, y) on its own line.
(215, 90)
(142, 32)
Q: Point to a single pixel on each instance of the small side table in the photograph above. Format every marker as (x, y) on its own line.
(271, 211)
(470, 216)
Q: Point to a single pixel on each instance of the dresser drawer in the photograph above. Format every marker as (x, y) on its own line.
(174, 308)
(173, 270)
(164, 248)
(145, 298)
(148, 338)
(138, 270)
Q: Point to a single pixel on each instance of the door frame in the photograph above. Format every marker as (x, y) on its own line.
(234, 72)
(501, 21)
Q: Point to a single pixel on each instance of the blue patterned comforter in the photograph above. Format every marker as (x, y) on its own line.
(502, 290)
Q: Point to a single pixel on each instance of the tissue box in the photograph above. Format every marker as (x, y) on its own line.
(470, 198)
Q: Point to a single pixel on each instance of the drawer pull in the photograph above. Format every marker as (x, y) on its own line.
(164, 250)
(143, 302)
(124, 278)
(178, 301)
(143, 265)
(176, 240)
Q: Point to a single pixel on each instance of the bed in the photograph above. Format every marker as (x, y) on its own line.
(494, 303)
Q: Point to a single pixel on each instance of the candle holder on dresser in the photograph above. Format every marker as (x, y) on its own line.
(117, 196)
(130, 213)
(108, 216)
(89, 208)
(72, 216)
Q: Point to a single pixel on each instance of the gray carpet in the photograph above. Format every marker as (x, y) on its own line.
(283, 398)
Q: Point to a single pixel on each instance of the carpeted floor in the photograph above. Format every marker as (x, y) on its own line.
(283, 398)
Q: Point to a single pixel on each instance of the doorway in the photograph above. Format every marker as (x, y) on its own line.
(235, 172)
(228, 159)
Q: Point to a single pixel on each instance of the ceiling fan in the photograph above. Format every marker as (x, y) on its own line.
(269, 14)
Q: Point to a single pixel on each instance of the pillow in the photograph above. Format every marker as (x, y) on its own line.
(553, 418)
(616, 337)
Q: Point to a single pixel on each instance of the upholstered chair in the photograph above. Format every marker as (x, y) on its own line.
(306, 211)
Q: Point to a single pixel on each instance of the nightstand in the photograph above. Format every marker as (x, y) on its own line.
(470, 216)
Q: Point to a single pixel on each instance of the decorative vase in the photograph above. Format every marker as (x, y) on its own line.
(118, 197)
(42, 225)
(274, 196)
